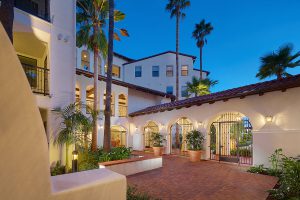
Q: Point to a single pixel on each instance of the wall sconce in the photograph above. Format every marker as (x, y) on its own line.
(59, 36)
(269, 118)
(75, 161)
(200, 124)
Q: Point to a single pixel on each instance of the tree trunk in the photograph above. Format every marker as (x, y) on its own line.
(95, 106)
(67, 158)
(7, 17)
(201, 66)
(177, 55)
(107, 112)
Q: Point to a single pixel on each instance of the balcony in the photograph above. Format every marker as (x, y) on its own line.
(38, 8)
(38, 79)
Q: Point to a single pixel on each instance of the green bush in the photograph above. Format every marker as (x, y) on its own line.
(260, 169)
(157, 139)
(194, 140)
(289, 181)
(117, 153)
(132, 194)
(58, 169)
(244, 152)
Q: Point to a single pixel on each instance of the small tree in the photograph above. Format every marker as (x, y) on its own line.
(157, 139)
(200, 87)
(195, 140)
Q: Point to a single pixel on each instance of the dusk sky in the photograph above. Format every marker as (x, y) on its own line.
(243, 32)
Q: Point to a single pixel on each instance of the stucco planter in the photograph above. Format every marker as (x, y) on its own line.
(194, 155)
(158, 151)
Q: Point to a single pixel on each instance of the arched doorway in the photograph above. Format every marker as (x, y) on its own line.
(118, 136)
(178, 133)
(150, 128)
(231, 139)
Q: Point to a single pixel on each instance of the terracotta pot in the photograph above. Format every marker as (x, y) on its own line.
(217, 157)
(157, 151)
(194, 155)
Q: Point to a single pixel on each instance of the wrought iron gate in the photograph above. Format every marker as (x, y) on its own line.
(231, 139)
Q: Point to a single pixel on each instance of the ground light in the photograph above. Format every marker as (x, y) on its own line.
(75, 161)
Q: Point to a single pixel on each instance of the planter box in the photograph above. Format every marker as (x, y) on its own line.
(133, 165)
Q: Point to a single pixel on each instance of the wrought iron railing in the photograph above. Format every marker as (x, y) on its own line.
(38, 79)
(37, 8)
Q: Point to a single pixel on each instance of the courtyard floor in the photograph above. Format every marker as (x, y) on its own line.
(180, 179)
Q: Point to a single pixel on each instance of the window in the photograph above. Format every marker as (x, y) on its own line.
(169, 71)
(30, 68)
(155, 71)
(184, 92)
(122, 105)
(116, 71)
(169, 90)
(85, 60)
(184, 70)
(138, 71)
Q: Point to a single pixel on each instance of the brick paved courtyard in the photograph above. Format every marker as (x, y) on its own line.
(180, 179)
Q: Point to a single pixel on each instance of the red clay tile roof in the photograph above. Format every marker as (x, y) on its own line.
(182, 54)
(124, 84)
(240, 92)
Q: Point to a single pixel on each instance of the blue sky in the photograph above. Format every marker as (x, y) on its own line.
(243, 32)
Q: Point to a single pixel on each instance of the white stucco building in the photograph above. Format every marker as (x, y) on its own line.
(246, 123)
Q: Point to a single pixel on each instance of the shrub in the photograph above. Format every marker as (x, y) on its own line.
(289, 180)
(117, 153)
(58, 169)
(157, 139)
(132, 194)
(244, 152)
(194, 140)
(260, 169)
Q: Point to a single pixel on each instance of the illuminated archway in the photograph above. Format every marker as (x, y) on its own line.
(118, 136)
(178, 133)
(151, 127)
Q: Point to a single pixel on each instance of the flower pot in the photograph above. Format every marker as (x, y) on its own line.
(157, 151)
(217, 157)
(194, 155)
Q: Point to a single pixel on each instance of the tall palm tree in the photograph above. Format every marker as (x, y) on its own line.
(92, 16)
(7, 16)
(200, 87)
(201, 31)
(176, 7)
(107, 112)
(276, 63)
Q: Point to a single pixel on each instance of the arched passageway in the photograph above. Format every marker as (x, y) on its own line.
(178, 133)
(151, 127)
(231, 139)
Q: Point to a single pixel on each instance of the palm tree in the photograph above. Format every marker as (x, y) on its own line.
(276, 63)
(176, 7)
(7, 16)
(200, 87)
(91, 19)
(71, 127)
(201, 31)
(107, 112)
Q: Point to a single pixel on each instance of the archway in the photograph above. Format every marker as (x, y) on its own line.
(150, 128)
(118, 136)
(178, 133)
(231, 138)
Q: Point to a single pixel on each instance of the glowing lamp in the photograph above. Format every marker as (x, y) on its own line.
(269, 118)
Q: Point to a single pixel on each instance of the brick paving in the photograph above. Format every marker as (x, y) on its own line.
(180, 179)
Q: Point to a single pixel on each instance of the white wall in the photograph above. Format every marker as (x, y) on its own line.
(283, 132)
(160, 83)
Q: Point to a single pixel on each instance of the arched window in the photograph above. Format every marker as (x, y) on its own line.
(122, 102)
(77, 94)
(85, 60)
(112, 104)
(150, 128)
(89, 98)
(118, 136)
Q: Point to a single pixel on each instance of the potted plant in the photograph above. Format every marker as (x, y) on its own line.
(157, 139)
(194, 141)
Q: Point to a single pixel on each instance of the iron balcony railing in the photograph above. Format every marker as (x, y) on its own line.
(38, 79)
(39, 8)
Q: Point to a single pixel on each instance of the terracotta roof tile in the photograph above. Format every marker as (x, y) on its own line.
(240, 92)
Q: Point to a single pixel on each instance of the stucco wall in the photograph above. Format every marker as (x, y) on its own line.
(283, 131)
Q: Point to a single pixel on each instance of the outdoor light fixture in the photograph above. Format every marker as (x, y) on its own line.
(75, 161)
(200, 123)
(269, 118)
